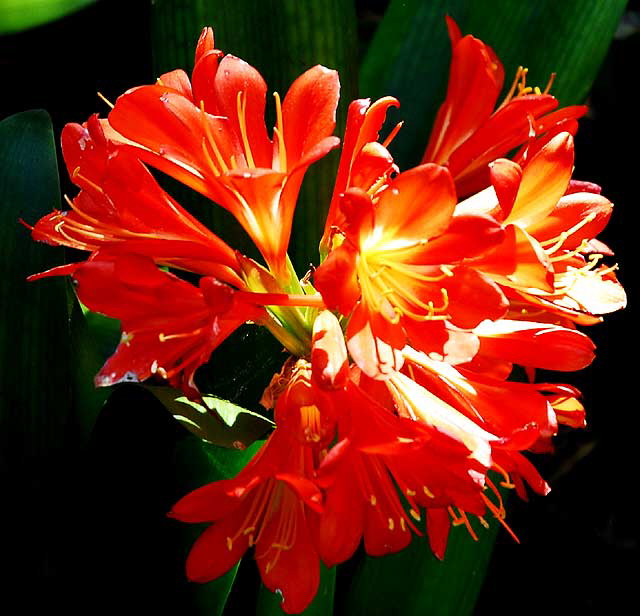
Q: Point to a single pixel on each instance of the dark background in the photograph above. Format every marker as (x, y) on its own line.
(579, 545)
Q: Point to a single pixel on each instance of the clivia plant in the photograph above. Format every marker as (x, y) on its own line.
(406, 396)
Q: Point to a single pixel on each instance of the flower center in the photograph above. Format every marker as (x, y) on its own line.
(396, 289)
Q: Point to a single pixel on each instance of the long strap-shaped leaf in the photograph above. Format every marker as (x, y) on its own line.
(414, 583)
(410, 53)
(35, 407)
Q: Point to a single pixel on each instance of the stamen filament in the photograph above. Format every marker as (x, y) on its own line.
(212, 142)
(105, 99)
(392, 134)
(279, 133)
(241, 105)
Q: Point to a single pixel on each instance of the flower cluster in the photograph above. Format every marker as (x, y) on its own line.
(395, 411)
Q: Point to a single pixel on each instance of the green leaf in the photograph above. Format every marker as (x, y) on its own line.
(34, 353)
(414, 583)
(217, 421)
(198, 463)
(410, 53)
(269, 603)
(17, 15)
(93, 339)
(140, 462)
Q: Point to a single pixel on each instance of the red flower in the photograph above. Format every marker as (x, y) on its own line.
(210, 134)
(468, 134)
(269, 506)
(122, 207)
(273, 504)
(380, 455)
(169, 326)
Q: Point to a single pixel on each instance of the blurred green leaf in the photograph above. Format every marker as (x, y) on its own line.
(217, 421)
(35, 396)
(410, 53)
(415, 583)
(17, 15)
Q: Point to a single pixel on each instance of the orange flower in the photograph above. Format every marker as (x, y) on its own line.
(398, 273)
(364, 162)
(549, 258)
(210, 134)
(468, 134)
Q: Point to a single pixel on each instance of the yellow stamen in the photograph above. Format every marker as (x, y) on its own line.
(549, 83)
(76, 174)
(507, 483)
(562, 237)
(105, 99)
(279, 134)
(164, 337)
(222, 166)
(241, 105)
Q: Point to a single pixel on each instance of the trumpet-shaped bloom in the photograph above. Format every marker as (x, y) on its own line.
(365, 163)
(468, 134)
(121, 206)
(549, 257)
(210, 134)
(398, 272)
(169, 326)
(269, 506)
